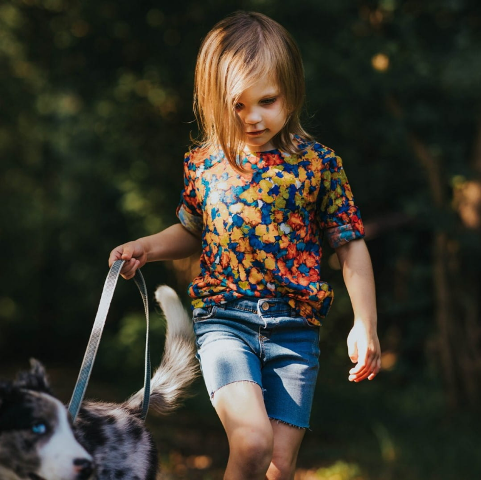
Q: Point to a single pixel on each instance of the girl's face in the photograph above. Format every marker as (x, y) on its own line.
(261, 109)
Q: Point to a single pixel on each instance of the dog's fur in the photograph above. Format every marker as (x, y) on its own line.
(108, 441)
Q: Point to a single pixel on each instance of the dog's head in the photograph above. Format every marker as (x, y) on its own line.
(36, 437)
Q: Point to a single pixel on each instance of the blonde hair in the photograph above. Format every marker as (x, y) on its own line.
(237, 52)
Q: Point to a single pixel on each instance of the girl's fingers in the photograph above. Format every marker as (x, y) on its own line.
(122, 252)
(368, 370)
(357, 369)
(376, 370)
(357, 377)
(114, 255)
(360, 377)
(129, 268)
(357, 372)
(125, 252)
(362, 365)
(365, 374)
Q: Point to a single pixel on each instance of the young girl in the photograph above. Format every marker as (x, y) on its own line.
(260, 194)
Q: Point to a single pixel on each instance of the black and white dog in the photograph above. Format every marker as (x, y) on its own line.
(108, 441)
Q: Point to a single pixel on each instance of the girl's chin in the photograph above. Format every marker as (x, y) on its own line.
(258, 148)
(252, 146)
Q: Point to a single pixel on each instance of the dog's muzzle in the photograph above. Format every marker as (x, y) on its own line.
(84, 468)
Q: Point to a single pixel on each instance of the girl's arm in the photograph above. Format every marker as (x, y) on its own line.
(363, 343)
(170, 244)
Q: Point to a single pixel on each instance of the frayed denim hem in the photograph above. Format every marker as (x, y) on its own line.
(289, 424)
(230, 383)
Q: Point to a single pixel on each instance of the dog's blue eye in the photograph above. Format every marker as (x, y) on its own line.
(39, 428)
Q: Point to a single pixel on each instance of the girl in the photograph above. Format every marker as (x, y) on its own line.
(259, 196)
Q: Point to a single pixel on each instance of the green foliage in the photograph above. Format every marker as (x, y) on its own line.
(340, 471)
(95, 116)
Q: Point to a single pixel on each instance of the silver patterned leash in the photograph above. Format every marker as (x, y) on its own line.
(96, 334)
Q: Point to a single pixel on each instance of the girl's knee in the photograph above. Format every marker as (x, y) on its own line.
(287, 442)
(252, 449)
(282, 468)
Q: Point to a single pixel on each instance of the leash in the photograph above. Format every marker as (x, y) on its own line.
(96, 334)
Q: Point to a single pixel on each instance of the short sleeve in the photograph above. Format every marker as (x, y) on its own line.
(339, 217)
(188, 210)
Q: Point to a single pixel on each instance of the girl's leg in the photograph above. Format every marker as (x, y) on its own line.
(241, 409)
(287, 441)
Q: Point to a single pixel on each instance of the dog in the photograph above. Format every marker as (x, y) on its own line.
(108, 441)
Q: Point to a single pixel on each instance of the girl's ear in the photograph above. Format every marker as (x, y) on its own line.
(35, 379)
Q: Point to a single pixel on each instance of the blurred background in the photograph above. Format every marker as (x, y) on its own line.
(95, 116)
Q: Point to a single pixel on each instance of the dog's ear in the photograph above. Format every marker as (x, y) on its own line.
(10, 396)
(35, 379)
(7, 392)
(5, 389)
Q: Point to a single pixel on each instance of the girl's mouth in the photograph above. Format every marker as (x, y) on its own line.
(256, 133)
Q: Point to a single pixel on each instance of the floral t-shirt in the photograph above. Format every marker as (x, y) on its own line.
(262, 233)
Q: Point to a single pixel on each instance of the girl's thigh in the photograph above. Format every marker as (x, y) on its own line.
(226, 350)
(240, 407)
(287, 442)
(290, 373)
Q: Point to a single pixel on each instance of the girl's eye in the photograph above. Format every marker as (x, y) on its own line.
(238, 106)
(39, 428)
(269, 101)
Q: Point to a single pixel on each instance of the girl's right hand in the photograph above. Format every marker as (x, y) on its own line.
(134, 255)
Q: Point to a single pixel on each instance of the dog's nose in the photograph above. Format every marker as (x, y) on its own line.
(83, 468)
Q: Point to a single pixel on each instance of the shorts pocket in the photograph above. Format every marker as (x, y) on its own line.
(308, 324)
(203, 313)
(317, 328)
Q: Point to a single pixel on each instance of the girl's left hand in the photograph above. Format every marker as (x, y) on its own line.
(363, 348)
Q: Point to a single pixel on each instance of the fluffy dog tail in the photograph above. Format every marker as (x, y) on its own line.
(178, 367)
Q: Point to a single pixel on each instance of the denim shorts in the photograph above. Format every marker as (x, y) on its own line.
(262, 341)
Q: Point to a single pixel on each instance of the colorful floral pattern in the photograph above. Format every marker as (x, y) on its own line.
(262, 233)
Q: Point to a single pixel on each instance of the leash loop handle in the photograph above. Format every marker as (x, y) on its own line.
(96, 334)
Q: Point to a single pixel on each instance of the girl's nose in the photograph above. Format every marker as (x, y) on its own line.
(252, 117)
